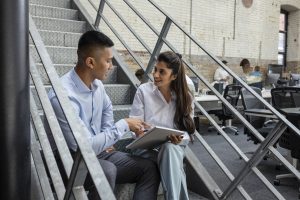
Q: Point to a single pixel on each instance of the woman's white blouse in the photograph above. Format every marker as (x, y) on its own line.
(150, 106)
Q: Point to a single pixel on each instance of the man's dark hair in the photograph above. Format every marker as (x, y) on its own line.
(91, 40)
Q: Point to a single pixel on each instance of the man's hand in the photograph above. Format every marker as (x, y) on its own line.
(136, 125)
(175, 139)
(110, 149)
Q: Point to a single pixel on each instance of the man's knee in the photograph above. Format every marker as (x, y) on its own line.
(110, 172)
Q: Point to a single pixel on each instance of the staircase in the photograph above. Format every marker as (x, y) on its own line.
(60, 28)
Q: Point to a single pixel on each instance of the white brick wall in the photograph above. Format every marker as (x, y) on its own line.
(254, 34)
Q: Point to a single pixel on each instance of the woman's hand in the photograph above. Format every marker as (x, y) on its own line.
(175, 139)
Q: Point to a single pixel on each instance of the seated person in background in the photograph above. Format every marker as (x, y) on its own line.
(139, 73)
(190, 85)
(246, 76)
(94, 111)
(256, 72)
(167, 102)
(221, 75)
(221, 78)
(245, 64)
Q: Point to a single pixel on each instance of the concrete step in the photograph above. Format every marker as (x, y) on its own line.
(125, 192)
(118, 93)
(53, 3)
(57, 38)
(53, 12)
(59, 55)
(64, 25)
(121, 111)
(62, 69)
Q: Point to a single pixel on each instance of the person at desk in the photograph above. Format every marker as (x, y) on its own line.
(167, 102)
(249, 76)
(221, 76)
(93, 108)
(139, 73)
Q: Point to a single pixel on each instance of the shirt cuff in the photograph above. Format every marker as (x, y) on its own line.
(122, 126)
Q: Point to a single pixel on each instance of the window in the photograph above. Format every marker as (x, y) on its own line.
(282, 41)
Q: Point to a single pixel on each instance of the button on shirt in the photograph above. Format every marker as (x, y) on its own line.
(94, 110)
(150, 105)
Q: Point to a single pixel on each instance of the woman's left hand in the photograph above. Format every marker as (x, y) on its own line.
(175, 139)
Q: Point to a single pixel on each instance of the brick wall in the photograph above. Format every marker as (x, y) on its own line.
(225, 29)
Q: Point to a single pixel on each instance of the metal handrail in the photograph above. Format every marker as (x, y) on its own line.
(88, 155)
(169, 20)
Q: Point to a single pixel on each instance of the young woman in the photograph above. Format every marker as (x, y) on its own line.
(167, 102)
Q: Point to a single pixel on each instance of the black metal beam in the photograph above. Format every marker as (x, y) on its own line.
(14, 101)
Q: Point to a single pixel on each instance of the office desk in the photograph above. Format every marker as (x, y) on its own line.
(212, 101)
(291, 112)
(266, 94)
(260, 113)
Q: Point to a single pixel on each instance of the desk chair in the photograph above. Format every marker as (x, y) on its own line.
(257, 85)
(288, 97)
(272, 79)
(295, 80)
(231, 94)
(249, 102)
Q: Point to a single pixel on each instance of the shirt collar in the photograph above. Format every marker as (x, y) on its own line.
(81, 85)
(155, 90)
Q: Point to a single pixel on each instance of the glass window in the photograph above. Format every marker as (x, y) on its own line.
(282, 37)
(282, 22)
(281, 42)
(280, 59)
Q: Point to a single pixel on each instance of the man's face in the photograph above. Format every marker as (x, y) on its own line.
(103, 63)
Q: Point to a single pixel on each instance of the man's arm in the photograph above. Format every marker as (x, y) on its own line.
(99, 142)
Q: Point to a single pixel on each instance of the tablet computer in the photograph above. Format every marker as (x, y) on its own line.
(154, 137)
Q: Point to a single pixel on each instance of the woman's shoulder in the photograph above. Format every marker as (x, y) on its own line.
(146, 86)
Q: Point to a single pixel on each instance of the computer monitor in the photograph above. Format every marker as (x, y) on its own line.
(275, 69)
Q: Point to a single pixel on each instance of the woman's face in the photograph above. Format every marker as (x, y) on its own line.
(162, 75)
(246, 68)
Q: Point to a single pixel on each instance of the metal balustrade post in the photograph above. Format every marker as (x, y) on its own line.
(77, 176)
(99, 12)
(159, 43)
(257, 157)
(14, 102)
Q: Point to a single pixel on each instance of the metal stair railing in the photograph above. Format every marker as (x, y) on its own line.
(85, 160)
(267, 143)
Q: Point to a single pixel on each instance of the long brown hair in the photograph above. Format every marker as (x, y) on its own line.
(182, 118)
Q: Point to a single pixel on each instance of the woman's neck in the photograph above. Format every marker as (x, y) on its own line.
(166, 92)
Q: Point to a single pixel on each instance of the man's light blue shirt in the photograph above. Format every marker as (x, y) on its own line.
(94, 110)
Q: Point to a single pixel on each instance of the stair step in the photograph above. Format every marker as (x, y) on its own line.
(54, 3)
(58, 55)
(121, 111)
(62, 69)
(64, 25)
(53, 12)
(118, 93)
(57, 38)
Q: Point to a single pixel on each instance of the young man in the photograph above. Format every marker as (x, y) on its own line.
(94, 110)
